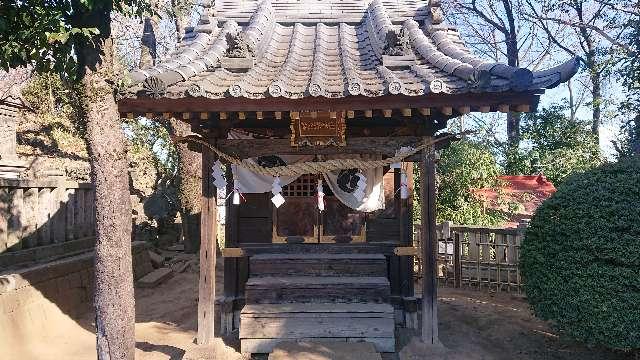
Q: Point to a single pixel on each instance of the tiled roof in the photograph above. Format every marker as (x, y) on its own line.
(381, 47)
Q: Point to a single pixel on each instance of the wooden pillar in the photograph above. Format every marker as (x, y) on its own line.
(429, 247)
(230, 263)
(207, 282)
(402, 214)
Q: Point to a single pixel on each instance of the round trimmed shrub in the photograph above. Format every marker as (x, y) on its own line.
(581, 257)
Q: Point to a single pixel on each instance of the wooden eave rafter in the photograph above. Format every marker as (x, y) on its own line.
(442, 103)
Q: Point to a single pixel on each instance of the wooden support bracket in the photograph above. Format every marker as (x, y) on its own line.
(464, 109)
(406, 251)
(233, 252)
(425, 111)
(504, 108)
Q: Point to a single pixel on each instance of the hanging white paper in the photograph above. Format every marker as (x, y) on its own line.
(404, 186)
(320, 196)
(236, 193)
(219, 179)
(277, 200)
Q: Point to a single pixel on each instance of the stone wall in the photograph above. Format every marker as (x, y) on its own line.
(45, 297)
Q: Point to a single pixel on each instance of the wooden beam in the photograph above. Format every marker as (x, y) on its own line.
(356, 145)
(503, 108)
(386, 113)
(208, 228)
(447, 110)
(294, 115)
(278, 115)
(259, 115)
(130, 115)
(149, 115)
(464, 109)
(351, 114)
(204, 116)
(406, 112)
(242, 115)
(186, 116)
(406, 251)
(484, 109)
(429, 247)
(425, 111)
(354, 103)
(368, 113)
(523, 108)
(233, 252)
(223, 116)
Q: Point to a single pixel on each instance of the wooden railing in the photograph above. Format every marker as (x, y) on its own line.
(477, 257)
(44, 219)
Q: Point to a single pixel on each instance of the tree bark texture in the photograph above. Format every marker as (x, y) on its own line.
(148, 51)
(114, 301)
(189, 187)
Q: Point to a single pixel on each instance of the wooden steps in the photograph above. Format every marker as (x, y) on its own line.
(319, 265)
(318, 297)
(325, 289)
(264, 326)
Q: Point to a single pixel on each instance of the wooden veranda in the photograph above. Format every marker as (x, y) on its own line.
(350, 81)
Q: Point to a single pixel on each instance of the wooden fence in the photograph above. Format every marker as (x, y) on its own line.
(44, 219)
(477, 257)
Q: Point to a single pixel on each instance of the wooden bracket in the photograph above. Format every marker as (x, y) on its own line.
(406, 251)
(233, 252)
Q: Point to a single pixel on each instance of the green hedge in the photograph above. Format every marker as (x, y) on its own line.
(581, 257)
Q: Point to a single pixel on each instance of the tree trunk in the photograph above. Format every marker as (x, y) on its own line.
(189, 188)
(148, 52)
(114, 301)
(596, 93)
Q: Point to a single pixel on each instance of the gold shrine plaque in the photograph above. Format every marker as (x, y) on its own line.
(319, 128)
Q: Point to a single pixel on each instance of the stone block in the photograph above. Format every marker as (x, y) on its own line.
(155, 277)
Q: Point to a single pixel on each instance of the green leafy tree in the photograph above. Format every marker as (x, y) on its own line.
(580, 257)
(72, 38)
(465, 166)
(554, 144)
(628, 143)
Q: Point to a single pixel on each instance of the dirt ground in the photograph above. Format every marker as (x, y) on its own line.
(473, 325)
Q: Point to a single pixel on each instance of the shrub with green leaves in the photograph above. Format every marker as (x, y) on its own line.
(581, 257)
(464, 166)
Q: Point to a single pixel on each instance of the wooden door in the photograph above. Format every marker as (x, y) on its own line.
(299, 219)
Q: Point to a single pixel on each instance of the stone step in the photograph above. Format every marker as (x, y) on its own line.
(325, 350)
(318, 289)
(318, 265)
(262, 327)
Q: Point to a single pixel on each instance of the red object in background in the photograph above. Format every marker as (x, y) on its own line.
(517, 196)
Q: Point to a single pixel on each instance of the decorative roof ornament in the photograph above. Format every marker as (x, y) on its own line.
(238, 46)
(397, 43)
(435, 12)
(154, 87)
(195, 90)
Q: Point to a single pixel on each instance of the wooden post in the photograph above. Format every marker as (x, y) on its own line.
(230, 263)
(429, 247)
(207, 282)
(457, 261)
(402, 213)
